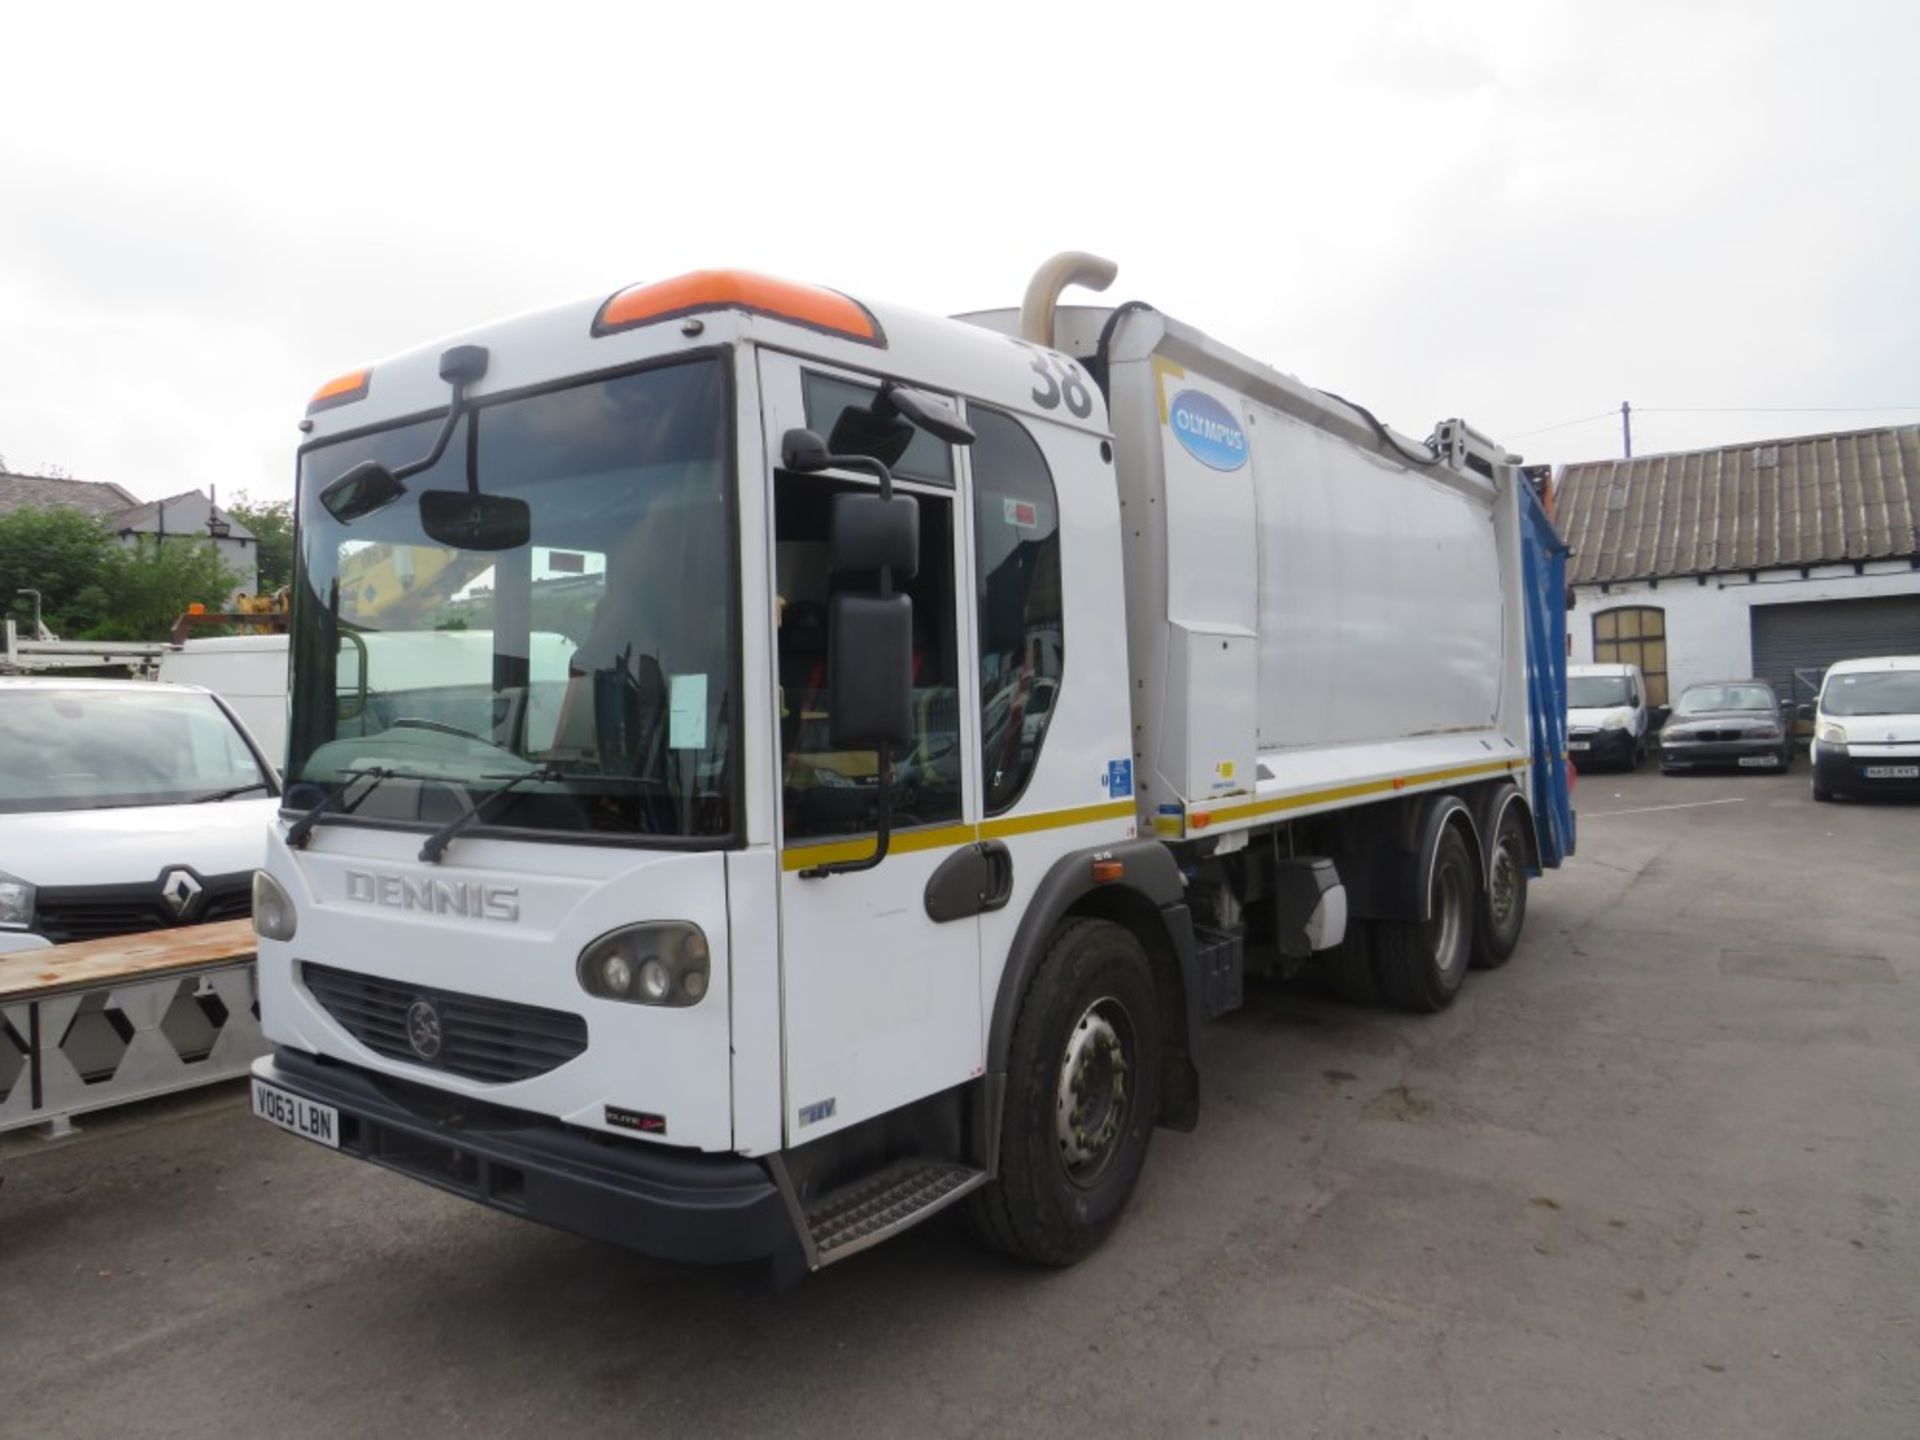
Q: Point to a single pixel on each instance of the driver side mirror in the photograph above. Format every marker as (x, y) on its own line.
(870, 670)
(1658, 715)
(367, 487)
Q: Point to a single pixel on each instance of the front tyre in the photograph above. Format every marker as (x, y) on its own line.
(1502, 910)
(1421, 964)
(1083, 1091)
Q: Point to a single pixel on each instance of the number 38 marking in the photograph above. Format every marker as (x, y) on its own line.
(1060, 379)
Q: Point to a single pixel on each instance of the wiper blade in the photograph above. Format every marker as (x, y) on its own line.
(437, 843)
(298, 832)
(229, 793)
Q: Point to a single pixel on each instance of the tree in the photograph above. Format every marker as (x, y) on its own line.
(150, 585)
(272, 525)
(93, 587)
(65, 555)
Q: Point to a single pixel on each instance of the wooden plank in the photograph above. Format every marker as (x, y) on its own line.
(88, 964)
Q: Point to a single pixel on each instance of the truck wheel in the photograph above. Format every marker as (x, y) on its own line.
(1420, 964)
(1503, 904)
(1083, 1092)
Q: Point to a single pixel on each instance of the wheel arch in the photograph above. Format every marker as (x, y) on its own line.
(1149, 901)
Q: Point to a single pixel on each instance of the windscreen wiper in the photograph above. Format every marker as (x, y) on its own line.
(437, 842)
(230, 792)
(298, 832)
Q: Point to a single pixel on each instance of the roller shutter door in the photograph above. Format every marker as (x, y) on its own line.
(1804, 639)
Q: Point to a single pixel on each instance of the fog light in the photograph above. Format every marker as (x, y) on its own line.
(654, 981)
(273, 913)
(661, 962)
(616, 972)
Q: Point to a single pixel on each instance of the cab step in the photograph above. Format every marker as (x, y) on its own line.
(883, 1204)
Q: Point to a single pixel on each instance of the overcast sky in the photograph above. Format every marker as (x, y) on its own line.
(1521, 214)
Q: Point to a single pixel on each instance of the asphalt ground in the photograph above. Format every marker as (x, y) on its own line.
(1657, 1177)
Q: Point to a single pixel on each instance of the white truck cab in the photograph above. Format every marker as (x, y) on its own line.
(765, 766)
(125, 806)
(1607, 718)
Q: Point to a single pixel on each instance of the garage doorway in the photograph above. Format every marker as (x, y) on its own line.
(1794, 644)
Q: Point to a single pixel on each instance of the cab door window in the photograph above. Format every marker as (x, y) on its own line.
(828, 791)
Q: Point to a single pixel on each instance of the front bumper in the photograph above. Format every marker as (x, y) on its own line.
(671, 1204)
(1603, 747)
(1724, 752)
(1846, 774)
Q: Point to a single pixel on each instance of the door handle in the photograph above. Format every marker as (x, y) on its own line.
(972, 880)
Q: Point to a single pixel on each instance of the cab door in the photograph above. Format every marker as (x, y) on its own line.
(880, 1001)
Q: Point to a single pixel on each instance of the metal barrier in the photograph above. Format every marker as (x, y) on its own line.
(105, 1022)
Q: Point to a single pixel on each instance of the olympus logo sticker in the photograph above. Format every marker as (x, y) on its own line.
(1207, 431)
(435, 896)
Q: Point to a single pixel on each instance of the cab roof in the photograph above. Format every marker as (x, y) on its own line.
(1876, 662)
(696, 312)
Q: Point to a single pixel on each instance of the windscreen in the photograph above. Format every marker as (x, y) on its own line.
(1708, 699)
(1874, 692)
(600, 653)
(91, 749)
(1597, 692)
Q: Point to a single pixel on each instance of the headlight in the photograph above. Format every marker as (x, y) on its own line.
(663, 962)
(16, 902)
(1617, 720)
(273, 917)
(1765, 732)
(1830, 733)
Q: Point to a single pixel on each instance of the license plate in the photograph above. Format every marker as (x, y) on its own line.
(1578, 745)
(297, 1116)
(1765, 761)
(1892, 772)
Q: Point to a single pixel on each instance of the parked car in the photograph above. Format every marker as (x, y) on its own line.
(1726, 722)
(125, 806)
(1866, 728)
(1607, 722)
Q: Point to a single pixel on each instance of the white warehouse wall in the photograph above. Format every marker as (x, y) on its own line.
(1710, 627)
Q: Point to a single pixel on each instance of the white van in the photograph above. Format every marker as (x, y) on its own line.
(1607, 716)
(1866, 728)
(125, 806)
(249, 672)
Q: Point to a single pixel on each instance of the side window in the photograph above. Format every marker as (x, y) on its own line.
(841, 413)
(1017, 529)
(828, 791)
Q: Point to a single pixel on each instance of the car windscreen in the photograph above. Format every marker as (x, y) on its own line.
(1872, 692)
(1596, 692)
(84, 749)
(1711, 699)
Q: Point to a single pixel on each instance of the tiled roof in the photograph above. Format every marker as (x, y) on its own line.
(1813, 500)
(96, 497)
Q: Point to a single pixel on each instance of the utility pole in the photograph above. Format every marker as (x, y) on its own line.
(1626, 427)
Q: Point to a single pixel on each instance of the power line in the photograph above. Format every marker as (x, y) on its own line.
(1564, 425)
(1768, 409)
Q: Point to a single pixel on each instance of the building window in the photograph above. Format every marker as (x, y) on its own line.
(1016, 524)
(1635, 635)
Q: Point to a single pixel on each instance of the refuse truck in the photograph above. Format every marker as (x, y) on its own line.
(876, 746)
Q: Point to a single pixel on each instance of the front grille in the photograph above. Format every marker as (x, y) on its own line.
(492, 1040)
(81, 912)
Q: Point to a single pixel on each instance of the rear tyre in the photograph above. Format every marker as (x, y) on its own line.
(1420, 964)
(1083, 1093)
(1502, 908)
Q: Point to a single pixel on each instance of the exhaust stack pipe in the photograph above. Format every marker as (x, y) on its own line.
(1069, 267)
